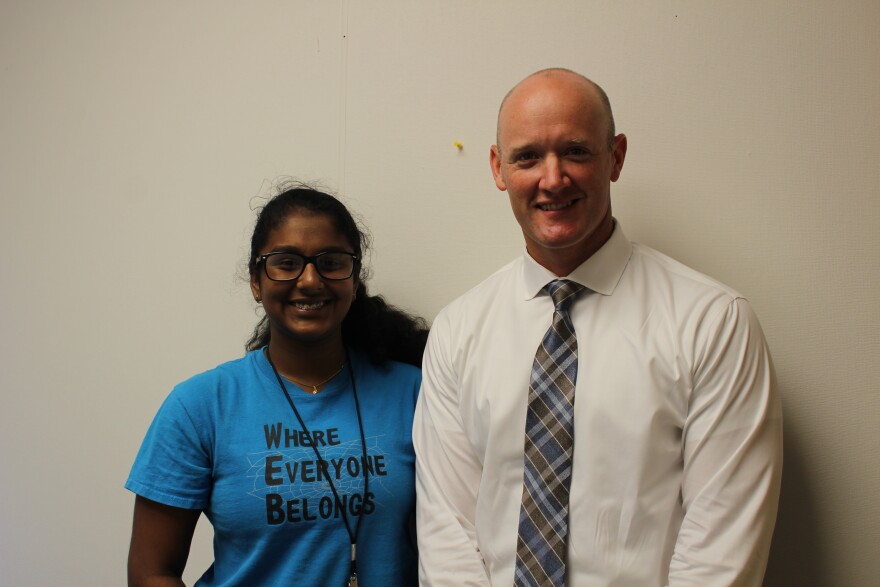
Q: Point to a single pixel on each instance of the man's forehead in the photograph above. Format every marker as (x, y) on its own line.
(533, 100)
(547, 121)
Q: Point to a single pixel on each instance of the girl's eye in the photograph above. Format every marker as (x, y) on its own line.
(286, 263)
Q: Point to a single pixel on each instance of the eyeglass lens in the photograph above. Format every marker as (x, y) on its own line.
(286, 266)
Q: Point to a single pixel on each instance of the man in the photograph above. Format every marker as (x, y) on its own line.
(670, 472)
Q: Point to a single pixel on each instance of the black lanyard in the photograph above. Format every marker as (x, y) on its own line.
(352, 580)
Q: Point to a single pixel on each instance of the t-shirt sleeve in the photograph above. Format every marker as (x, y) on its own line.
(175, 463)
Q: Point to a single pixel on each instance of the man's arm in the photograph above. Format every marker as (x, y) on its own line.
(448, 476)
(732, 453)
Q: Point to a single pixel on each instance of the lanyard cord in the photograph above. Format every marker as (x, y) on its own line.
(357, 527)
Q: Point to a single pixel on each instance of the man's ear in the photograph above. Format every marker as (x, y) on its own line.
(495, 163)
(618, 152)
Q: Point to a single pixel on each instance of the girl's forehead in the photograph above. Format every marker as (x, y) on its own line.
(306, 231)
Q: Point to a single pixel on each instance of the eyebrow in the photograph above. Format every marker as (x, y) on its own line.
(298, 251)
(514, 151)
(576, 142)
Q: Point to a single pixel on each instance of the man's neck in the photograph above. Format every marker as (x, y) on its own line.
(561, 262)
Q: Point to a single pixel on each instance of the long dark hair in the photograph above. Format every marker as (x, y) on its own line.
(372, 325)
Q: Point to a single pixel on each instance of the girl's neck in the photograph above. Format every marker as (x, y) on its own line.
(307, 363)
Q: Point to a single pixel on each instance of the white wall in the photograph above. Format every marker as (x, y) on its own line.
(134, 138)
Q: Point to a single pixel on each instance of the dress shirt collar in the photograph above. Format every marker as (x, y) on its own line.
(600, 273)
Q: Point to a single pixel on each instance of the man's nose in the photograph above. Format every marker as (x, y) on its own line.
(554, 177)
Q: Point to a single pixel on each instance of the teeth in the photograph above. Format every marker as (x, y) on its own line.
(309, 305)
(550, 207)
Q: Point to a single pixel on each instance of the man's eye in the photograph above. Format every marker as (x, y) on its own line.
(525, 157)
(578, 152)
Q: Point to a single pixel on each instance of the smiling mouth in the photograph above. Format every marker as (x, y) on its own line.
(309, 305)
(556, 206)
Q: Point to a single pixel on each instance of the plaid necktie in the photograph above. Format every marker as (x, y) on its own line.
(543, 517)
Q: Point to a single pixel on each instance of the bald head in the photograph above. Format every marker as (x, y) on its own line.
(538, 82)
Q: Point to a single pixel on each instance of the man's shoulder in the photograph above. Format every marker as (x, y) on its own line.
(656, 267)
(497, 288)
(501, 282)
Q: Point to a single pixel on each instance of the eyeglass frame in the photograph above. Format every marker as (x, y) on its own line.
(261, 259)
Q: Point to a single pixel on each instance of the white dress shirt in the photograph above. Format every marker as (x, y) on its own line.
(678, 427)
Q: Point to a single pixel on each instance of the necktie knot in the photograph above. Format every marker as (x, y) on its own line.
(563, 292)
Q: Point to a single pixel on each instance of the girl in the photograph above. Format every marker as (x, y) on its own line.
(299, 453)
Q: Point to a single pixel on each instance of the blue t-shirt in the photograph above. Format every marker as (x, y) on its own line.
(228, 443)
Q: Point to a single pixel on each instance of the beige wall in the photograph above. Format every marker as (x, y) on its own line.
(134, 138)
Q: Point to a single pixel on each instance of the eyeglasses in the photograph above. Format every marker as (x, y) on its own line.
(288, 266)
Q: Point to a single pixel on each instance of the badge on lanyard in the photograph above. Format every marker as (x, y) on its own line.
(353, 579)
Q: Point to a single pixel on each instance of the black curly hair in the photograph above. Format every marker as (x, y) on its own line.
(373, 326)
